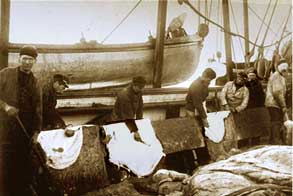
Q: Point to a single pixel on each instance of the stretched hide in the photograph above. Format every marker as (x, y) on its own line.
(266, 169)
(61, 151)
(216, 131)
(139, 157)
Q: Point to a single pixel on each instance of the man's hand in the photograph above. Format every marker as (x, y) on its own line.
(34, 139)
(226, 107)
(284, 110)
(196, 113)
(107, 139)
(11, 111)
(233, 110)
(137, 137)
(205, 123)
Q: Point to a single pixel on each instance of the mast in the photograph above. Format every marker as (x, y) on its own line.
(159, 47)
(4, 32)
(246, 26)
(227, 37)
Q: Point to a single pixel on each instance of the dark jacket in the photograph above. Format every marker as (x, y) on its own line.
(9, 88)
(128, 105)
(197, 94)
(51, 117)
(20, 90)
(256, 94)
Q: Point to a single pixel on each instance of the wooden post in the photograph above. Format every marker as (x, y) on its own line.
(159, 48)
(227, 37)
(4, 32)
(246, 28)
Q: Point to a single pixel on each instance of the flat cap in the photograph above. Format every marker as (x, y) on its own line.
(29, 50)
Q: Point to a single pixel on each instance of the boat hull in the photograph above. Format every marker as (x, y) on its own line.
(117, 62)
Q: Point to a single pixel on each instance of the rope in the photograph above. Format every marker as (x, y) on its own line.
(198, 4)
(273, 12)
(234, 54)
(276, 42)
(218, 18)
(125, 17)
(219, 26)
(263, 20)
(211, 2)
(206, 10)
(278, 32)
(285, 26)
(258, 17)
(260, 53)
(234, 19)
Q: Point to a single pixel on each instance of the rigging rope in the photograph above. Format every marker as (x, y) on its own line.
(259, 30)
(264, 38)
(284, 29)
(206, 10)
(285, 26)
(125, 17)
(219, 26)
(198, 4)
(234, 19)
(260, 53)
(218, 18)
(258, 17)
(211, 2)
(234, 54)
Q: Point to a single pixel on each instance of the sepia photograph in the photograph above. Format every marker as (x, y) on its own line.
(146, 98)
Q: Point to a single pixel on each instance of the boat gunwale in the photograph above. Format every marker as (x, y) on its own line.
(75, 48)
(88, 93)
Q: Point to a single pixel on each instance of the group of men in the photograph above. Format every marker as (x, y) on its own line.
(246, 91)
(26, 107)
(22, 114)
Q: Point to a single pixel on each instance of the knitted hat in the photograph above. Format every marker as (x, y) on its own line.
(282, 65)
(29, 50)
(209, 73)
(61, 79)
(242, 74)
(139, 80)
(251, 70)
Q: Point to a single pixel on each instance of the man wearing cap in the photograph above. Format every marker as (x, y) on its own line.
(51, 117)
(235, 95)
(197, 94)
(129, 102)
(275, 100)
(256, 92)
(20, 118)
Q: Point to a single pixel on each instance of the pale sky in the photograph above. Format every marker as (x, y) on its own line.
(63, 22)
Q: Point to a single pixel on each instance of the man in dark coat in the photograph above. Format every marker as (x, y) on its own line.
(256, 92)
(51, 117)
(129, 107)
(20, 98)
(197, 94)
(129, 102)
